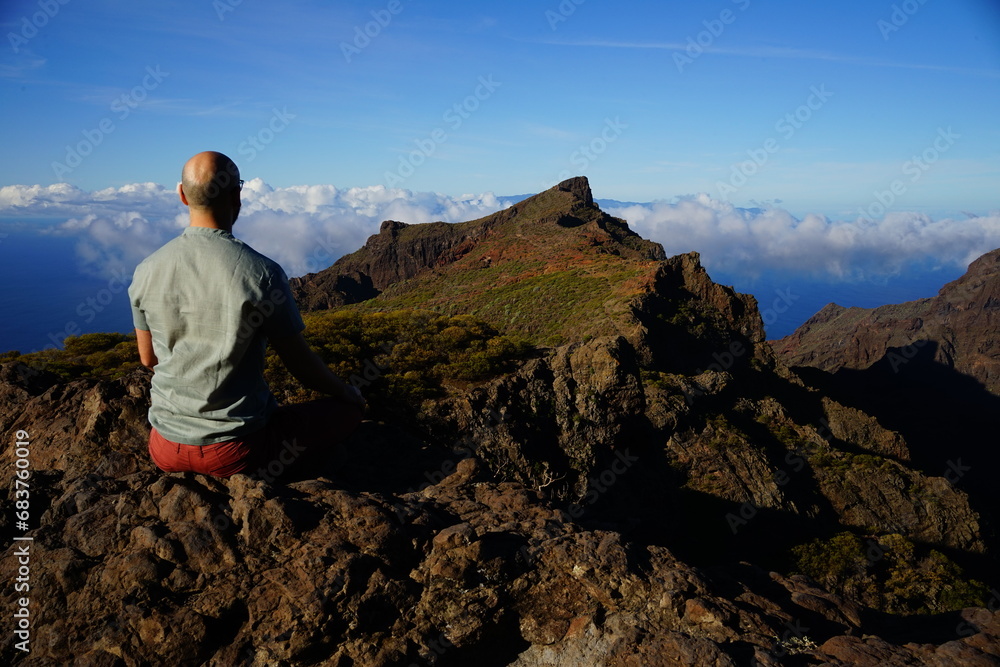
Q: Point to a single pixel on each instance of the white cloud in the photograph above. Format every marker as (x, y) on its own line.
(36, 199)
(750, 242)
(306, 228)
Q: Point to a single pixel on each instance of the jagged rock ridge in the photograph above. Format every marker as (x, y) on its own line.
(958, 326)
(401, 251)
(928, 369)
(131, 566)
(553, 254)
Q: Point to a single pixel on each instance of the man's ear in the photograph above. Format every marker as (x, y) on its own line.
(180, 193)
(235, 204)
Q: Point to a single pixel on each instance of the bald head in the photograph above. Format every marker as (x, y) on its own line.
(208, 180)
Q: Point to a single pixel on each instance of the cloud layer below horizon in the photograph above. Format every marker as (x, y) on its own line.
(306, 228)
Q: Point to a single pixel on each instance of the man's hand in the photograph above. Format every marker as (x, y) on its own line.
(308, 368)
(360, 400)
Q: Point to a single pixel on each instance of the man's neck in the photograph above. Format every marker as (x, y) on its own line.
(199, 219)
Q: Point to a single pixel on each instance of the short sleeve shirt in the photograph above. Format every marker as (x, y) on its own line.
(210, 302)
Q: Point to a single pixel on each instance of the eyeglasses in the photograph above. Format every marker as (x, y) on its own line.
(241, 184)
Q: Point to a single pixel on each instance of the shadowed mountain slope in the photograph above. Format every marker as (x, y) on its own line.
(928, 369)
(961, 322)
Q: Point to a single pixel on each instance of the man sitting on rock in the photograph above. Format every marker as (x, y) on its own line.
(205, 306)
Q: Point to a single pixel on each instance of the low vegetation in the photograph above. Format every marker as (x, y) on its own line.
(401, 357)
(531, 300)
(99, 355)
(889, 573)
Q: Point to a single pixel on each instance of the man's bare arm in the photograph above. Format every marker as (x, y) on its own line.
(146, 355)
(308, 368)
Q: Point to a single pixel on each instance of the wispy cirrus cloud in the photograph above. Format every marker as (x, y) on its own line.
(22, 65)
(769, 51)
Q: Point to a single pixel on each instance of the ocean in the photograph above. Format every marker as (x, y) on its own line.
(786, 300)
(48, 296)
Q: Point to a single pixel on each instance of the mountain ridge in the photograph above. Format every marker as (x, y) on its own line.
(552, 269)
(929, 369)
(437, 244)
(960, 321)
(650, 483)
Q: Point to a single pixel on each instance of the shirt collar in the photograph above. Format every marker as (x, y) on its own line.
(208, 231)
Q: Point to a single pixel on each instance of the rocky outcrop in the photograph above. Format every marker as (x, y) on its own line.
(132, 566)
(957, 328)
(444, 265)
(577, 421)
(398, 252)
(928, 369)
(690, 323)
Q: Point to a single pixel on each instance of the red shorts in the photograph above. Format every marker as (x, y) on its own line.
(295, 435)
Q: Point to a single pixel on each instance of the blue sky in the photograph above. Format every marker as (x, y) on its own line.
(606, 89)
(810, 152)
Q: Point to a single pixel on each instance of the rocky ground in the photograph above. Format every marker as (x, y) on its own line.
(402, 553)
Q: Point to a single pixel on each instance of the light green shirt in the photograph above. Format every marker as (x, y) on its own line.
(210, 302)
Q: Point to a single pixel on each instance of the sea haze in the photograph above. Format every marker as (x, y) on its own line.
(50, 296)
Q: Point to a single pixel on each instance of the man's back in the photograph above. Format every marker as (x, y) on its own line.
(205, 306)
(210, 303)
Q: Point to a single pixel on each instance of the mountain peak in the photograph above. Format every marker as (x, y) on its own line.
(982, 272)
(551, 269)
(578, 186)
(987, 265)
(560, 229)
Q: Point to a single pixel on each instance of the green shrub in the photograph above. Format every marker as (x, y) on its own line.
(105, 355)
(889, 573)
(401, 357)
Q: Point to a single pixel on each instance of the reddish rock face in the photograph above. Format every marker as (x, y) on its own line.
(185, 569)
(555, 228)
(958, 327)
